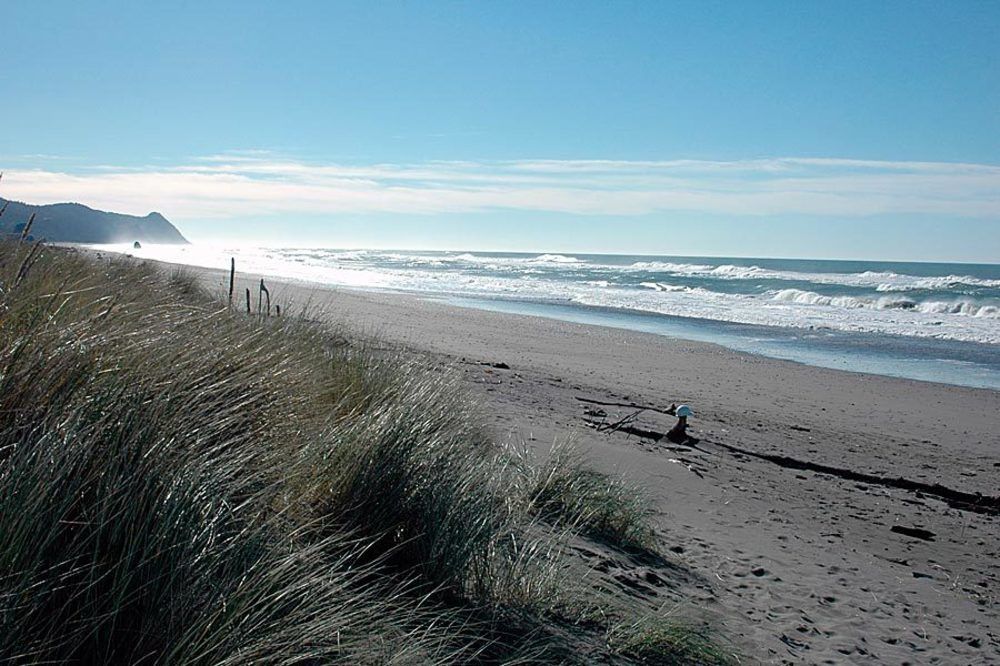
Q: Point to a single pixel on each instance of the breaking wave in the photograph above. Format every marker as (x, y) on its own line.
(555, 259)
(949, 306)
(660, 286)
(958, 307)
(880, 280)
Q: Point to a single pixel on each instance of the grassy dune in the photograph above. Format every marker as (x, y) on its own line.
(182, 484)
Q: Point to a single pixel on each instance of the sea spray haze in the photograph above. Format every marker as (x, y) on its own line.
(921, 320)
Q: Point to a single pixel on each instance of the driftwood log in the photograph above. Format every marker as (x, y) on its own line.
(668, 411)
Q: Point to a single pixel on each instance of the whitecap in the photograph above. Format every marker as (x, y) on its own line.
(555, 259)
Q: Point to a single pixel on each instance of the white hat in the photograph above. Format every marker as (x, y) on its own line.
(684, 410)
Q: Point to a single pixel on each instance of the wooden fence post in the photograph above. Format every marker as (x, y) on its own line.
(232, 279)
(260, 295)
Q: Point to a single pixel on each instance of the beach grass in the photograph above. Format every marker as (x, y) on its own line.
(181, 483)
(664, 642)
(567, 491)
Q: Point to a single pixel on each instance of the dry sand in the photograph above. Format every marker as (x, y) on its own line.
(801, 564)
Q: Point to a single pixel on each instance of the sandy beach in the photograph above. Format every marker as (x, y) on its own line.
(825, 516)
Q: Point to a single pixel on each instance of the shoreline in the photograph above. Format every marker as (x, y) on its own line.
(944, 361)
(502, 307)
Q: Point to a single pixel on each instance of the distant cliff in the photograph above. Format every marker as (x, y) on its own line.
(76, 223)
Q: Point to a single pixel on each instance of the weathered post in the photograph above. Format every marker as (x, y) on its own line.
(232, 279)
(263, 292)
(248, 300)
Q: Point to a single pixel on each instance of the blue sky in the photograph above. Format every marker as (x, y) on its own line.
(821, 129)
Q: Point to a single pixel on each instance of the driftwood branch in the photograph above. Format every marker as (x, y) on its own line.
(630, 405)
(621, 423)
(627, 428)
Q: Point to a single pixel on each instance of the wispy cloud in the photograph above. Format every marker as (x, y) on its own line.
(260, 183)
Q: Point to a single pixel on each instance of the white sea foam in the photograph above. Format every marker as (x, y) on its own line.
(910, 283)
(921, 321)
(469, 257)
(555, 259)
(966, 308)
(539, 278)
(660, 286)
(957, 307)
(882, 281)
(723, 271)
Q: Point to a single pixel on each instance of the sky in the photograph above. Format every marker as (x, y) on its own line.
(803, 129)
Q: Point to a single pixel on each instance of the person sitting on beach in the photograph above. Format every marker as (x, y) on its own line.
(679, 432)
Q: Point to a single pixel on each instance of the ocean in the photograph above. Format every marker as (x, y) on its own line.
(929, 321)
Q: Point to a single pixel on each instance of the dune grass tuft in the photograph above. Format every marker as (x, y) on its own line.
(607, 508)
(662, 642)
